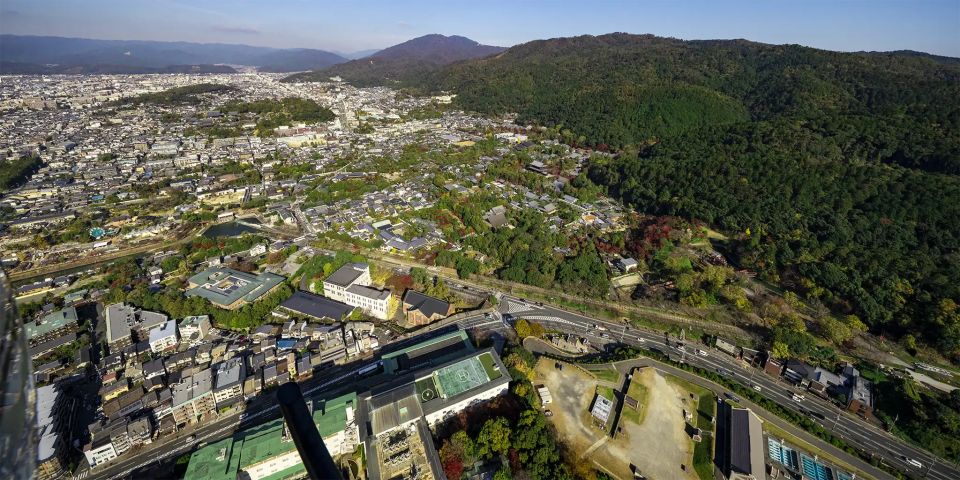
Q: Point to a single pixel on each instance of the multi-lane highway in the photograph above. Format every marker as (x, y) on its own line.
(855, 431)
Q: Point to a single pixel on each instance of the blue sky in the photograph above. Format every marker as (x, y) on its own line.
(925, 25)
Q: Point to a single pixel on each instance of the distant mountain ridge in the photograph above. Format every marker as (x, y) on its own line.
(405, 61)
(29, 54)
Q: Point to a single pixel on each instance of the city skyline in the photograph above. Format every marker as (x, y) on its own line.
(927, 26)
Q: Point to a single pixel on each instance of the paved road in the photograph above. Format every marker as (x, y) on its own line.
(890, 449)
(262, 408)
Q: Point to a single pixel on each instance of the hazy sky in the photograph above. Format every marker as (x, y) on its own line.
(345, 26)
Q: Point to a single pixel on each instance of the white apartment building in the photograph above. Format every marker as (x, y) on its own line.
(350, 284)
(163, 337)
(190, 326)
(100, 454)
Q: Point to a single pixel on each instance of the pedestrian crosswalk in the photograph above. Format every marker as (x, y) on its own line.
(81, 475)
(514, 307)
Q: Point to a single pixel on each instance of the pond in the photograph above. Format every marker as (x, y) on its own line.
(230, 229)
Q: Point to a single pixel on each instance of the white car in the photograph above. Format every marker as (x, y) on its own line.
(641, 339)
(797, 397)
(757, 388)
(701, 353)
(913, 462)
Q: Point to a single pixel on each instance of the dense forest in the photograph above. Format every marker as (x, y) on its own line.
(811, 206)
(621, 89)
(834, 173)
(14, 172)
(175, 95)
(274, 113)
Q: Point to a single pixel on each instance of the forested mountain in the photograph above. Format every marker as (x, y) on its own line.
(405, 61)
(622, 89)
(16, 68)
(835, 173)
(37, 54)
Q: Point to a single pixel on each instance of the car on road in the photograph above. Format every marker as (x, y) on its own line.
(191, 438)
(798, 397)
(641, 339)
(701, 353)
(597, 326)
(757, 387)
(547, 413)
(912, 462)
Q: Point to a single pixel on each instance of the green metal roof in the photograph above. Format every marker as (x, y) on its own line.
(331, 416)
(50, 322)
(224, 459)
(224, 286)
(390, 360)
(208, 463)
(262, 442)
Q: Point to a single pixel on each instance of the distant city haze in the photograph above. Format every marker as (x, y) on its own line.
(347, 28)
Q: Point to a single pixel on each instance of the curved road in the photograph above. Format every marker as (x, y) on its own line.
(866, 436)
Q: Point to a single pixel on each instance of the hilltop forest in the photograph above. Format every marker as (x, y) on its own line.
(835, 174)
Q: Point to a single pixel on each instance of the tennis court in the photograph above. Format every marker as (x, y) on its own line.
(460, 377)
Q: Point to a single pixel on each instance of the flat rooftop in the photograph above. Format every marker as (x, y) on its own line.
(50, 322)
(316, 306)
(347, 274)
(225, 286)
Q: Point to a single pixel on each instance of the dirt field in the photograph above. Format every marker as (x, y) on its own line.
(663, 421)
(641, 445)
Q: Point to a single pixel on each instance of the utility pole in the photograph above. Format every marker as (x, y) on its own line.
(683, 347)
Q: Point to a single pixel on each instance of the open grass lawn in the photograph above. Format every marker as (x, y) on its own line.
(638, 391)
(607, 375)
(606, 392)
(490, 367)
(706, 409)
(703, 458)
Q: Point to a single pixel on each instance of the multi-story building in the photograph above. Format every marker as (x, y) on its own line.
(228, 381)
(194, 329)
(232, 289)
(51, 325)
(99, 450)
(123, 321)
(193, 398)
(424, 382)
(336, 284)
(267, 450)
(163, 337)
(350, 284)
(53, 422)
